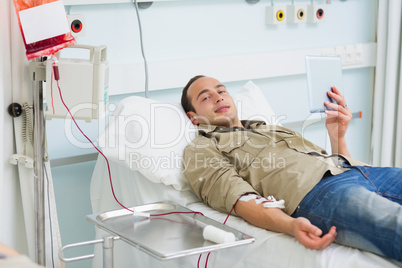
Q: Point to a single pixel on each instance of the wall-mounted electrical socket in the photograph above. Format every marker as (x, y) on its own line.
(358, 54)
(77, 24)
(316, 13)
(349, 55)
(353, 54)
(297, 14)
(340, 52)
(275, 14)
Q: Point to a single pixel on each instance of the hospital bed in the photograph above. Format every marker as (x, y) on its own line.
(144, 143)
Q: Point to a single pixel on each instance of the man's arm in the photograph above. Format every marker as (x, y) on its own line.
(338, 122)
(274, 219)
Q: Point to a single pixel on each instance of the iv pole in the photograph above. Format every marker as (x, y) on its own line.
(38, 75)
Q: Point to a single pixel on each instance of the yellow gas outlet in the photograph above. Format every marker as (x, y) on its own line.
(280, 15)
(275, 14)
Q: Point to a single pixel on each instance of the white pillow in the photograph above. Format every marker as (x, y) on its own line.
(150, 136)
(252, 105)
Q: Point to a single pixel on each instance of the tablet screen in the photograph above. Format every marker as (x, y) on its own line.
(323, 72)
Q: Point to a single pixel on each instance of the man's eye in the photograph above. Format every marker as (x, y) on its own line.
(222, 91)
(205, 98)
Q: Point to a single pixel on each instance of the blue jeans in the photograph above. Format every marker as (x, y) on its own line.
(365, 205)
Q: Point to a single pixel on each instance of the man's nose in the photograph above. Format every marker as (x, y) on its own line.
(219, 98)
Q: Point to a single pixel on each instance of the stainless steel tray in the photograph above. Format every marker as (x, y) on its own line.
(165, 237)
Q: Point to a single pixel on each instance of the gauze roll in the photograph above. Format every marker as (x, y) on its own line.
(217, 235)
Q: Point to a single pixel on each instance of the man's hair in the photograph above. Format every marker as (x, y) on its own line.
(185, 101)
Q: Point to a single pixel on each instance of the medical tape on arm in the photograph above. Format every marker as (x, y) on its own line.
(269, 202)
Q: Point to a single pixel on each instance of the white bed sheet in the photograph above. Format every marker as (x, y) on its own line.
(269, 250)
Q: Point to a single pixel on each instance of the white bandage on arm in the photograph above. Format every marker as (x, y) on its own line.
(269, 202)
(272, 203)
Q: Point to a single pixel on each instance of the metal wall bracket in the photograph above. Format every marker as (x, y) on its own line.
(37, 70)
(23, 159)
(145, 5)
(252, 1)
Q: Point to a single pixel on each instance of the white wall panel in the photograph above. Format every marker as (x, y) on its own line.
(128, 78)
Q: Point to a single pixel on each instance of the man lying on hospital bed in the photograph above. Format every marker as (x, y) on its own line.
(235, 164)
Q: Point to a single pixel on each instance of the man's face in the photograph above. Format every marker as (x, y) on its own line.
(212, 103)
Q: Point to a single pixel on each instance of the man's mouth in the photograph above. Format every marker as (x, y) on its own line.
(222, 109)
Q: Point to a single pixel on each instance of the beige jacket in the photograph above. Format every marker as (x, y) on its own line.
(222, 164)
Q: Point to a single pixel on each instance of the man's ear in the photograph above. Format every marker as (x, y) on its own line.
(193, 117)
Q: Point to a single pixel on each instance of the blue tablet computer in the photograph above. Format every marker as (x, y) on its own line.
(323, 72)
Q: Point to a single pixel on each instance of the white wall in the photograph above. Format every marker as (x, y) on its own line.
(12, 231)
(185, 30)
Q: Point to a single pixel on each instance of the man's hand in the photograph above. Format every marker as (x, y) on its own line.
(310, 236)
(337, 122)
(276, 220)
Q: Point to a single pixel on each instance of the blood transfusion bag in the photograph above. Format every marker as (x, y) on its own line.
(44, 26)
